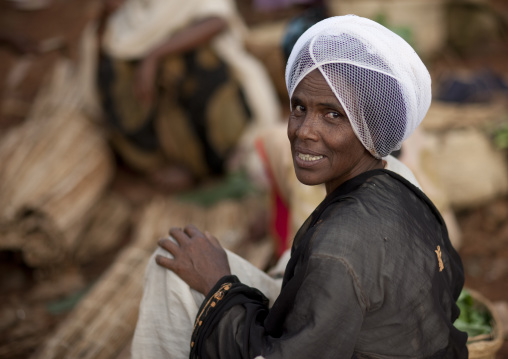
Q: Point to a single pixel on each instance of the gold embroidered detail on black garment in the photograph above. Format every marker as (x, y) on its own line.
(440, 261)
(211, 303)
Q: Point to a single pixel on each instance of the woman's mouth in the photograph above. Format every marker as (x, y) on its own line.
(308, 158)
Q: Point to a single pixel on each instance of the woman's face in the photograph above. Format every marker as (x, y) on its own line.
(323, 144)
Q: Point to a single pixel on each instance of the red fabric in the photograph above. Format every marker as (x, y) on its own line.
(280, 210)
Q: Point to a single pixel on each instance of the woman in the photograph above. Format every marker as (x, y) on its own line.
(178, 89)
(372, 272)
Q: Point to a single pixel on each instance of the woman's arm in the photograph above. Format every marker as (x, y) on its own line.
(324, 318)
(197, 34)
(191, 37)
(324, 321)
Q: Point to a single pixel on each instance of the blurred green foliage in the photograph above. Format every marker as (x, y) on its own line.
(403, 31)
(500, 136)
(65, 305)
(473, 319)
(232, 186)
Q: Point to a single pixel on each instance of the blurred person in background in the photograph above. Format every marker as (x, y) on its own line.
(181, 95)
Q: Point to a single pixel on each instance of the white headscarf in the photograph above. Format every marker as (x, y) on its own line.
(378, 78)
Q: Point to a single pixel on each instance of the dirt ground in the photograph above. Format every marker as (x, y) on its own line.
(28, 292)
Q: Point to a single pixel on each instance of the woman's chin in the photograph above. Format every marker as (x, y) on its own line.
(307, 180)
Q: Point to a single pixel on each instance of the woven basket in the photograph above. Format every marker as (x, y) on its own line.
(485, 346)
(53, 169)
(102, 324)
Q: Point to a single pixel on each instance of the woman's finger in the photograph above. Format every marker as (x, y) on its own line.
(191, 230)
(212, 239)
(179, 235)
(165, 262)
(169, 245)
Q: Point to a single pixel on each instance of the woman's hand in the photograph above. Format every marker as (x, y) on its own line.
(199, 259)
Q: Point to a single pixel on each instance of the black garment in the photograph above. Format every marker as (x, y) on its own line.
(364, 281)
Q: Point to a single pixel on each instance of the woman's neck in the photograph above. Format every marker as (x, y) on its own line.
(367, 164)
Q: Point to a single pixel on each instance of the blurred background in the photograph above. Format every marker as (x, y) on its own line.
(90, 179)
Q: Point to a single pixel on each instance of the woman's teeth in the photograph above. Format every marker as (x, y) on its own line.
(309, 157)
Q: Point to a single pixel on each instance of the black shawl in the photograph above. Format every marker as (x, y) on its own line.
(344, 293)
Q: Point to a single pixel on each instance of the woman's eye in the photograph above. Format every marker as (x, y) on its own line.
(299, 108)
(333, 115)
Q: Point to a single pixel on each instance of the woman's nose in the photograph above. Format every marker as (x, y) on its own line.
(308, 128)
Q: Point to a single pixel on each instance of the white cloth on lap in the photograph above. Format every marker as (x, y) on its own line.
(169, 307)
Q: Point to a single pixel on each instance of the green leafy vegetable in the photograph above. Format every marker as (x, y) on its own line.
(473, 319)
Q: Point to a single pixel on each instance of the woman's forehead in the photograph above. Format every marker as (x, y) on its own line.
(314, 86)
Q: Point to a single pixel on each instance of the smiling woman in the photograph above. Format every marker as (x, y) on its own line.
(372, 272)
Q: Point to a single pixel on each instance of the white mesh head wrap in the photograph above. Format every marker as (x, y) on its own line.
(377, 77)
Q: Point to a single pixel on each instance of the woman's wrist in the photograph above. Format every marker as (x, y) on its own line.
(215, 287)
